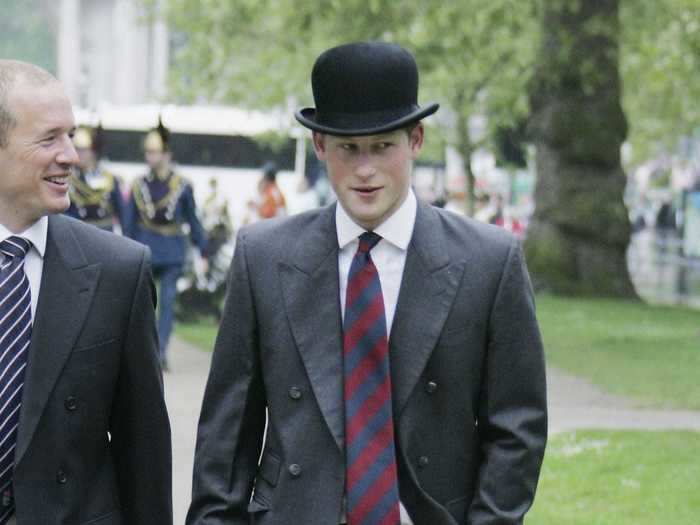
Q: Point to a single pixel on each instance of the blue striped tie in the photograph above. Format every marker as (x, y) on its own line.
(15, 335)
(371, 480)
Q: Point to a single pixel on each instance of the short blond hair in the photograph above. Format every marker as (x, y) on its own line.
(11, 72)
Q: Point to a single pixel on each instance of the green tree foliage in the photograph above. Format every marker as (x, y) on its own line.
(26, 33)
(660, 67)
(474, 56)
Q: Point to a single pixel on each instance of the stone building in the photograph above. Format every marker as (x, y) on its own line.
(111, 52)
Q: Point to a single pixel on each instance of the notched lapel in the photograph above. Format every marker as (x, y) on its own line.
(428, 288)
(311, 297)
(65, 296)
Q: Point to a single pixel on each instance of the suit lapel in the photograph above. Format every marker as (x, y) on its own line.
(67, 287)
(311, 296)
(428, 288)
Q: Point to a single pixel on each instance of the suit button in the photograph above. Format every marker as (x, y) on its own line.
(431, 387)
(71, 403)
(423, 461)
(295, 392)
(61, 477)
(295, 470)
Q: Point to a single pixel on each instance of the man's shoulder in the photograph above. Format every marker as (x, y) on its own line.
(464, 232)
(285, 230)
(303, 240)
(97, 245)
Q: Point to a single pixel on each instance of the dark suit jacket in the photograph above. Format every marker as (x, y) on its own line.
(468, 380)
(93, 442)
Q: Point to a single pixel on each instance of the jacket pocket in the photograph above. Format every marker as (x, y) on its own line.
(95, 346)
(458, 508)
(268, 476)
(257, 506)
(270, 468)
(112, 518)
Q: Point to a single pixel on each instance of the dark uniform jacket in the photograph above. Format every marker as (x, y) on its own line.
(155, 215)
(468, 379)
(96, 198)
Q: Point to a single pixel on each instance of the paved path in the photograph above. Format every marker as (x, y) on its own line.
(184, 389)
(573, 404)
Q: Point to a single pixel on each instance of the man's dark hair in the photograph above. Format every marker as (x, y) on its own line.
(11, 72)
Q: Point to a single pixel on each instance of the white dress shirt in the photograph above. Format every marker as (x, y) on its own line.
(389, 257)
(34, 260)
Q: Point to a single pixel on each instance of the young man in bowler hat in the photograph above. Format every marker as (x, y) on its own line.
(391, 347)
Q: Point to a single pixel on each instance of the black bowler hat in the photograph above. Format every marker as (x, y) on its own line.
(364, 88)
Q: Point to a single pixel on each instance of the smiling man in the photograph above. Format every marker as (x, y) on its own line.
(379, 360)
(84, 434)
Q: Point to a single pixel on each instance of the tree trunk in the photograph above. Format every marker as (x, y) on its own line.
(466, 148)
(578, 235)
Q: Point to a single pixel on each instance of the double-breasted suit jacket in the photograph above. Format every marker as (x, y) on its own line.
(93, 443)
(468, 382)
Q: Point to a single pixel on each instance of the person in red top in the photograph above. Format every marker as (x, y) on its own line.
(270, 201)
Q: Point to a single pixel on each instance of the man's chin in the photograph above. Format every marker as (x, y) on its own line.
(58, 207)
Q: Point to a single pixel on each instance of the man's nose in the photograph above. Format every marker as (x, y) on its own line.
(365, 166)
(68, 155)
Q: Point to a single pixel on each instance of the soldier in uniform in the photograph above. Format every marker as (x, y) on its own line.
(95, 195)
(161, 203)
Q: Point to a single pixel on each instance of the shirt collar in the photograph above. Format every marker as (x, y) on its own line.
(397, 229)
(36, 234)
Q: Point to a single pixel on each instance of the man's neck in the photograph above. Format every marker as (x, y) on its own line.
(162, 173)
(16, 224)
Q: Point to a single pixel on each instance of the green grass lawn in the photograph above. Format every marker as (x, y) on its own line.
(619, 478)
(200, 334)
(649, 353)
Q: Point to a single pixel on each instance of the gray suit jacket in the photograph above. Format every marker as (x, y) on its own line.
(93, 442)
(468, 381)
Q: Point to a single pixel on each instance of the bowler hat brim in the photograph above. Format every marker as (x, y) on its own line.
(347, 124)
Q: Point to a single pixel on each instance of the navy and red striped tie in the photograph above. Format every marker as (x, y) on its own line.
(371, 482)
(15, 336)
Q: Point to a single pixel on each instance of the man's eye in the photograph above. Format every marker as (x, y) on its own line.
(348, 147)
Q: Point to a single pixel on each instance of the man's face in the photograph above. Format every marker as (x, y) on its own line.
(36, 163)
(371, 174)
(156, 159)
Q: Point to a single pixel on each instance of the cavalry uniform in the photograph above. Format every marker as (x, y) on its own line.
(96, 198)
(156, 215)
(95, 195)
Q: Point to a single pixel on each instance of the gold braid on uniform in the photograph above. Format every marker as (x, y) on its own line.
(83, 196)
(148, 209)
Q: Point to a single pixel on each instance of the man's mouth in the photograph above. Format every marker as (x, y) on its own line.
(368, 190)
(58, 180)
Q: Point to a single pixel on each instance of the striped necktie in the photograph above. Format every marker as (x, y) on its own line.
(15, 335)
(371, 480)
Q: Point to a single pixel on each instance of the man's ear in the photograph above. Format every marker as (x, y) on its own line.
(415, 139)
(319, 141)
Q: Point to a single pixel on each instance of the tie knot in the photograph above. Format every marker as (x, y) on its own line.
(15, 246)
(368, 240)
